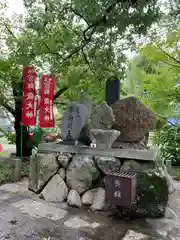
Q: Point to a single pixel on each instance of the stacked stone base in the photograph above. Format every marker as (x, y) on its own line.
(79, 180)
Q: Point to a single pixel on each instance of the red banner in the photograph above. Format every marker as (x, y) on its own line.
(46, 103)
(29, 109)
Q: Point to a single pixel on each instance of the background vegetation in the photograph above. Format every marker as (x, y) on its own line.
(83, 43)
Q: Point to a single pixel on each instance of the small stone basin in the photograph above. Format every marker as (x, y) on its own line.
(103, 138)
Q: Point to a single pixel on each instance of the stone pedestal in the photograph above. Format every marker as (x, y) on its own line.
(33, 177)
(16, 176)
(42, 168)
(103, 138)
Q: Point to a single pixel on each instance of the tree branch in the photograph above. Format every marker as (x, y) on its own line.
(53, 53)
(8, 108)
(9, 31)
(77, 13)
(88, 63)
(167, 54)
(102, 20)
(173, 65)
(60, 92)
(87, 39)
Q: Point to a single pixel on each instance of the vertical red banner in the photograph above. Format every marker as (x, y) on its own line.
(29, 108)
(47, 83)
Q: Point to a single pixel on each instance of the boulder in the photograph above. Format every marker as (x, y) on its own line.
(81, 173)
(74, 199)
(99, 199)
(133, 119)
(47, 167)
(64, 160)
(73, 121)
(103, 138)
(62, 173)
(129, 165)
(55, 191)
(170, 182)
(107, 163)
(102, 117)
(33, 172)
(152, 195)
(173, 233)
(170, 214)
(132, 235)
(88, 197)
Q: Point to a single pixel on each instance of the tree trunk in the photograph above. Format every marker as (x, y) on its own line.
(26, 151)
(18, 99)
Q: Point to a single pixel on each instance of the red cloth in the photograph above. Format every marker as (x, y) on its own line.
(29, 109)
(47, 101)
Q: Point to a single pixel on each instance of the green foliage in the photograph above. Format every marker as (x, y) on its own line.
(9, 136)
(82, 42)
(81, 48)
(168, 140)
(5, 171)
(154, 75)
(178, 174)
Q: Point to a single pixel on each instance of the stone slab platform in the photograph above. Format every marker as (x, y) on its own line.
(135, 154)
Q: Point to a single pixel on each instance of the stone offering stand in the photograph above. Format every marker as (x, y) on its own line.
(74, 171)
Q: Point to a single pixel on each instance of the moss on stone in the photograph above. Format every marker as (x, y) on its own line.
(152, 195)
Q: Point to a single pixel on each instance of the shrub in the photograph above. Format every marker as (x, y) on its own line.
(168, 140)
(9, 136)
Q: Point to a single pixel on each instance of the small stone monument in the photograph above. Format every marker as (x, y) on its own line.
(133, 119)
(73, 121)
(112, 93)
(102, 117)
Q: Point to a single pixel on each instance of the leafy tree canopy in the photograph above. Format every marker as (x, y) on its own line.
(82, 42)
(154, 75)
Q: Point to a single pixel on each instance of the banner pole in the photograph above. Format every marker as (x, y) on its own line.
(21, 143)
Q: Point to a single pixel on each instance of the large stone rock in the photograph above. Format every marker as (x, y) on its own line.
(130, 165)
(102, 117)
(73, 121)
(103, 138)
(64, 160)
(74, 199)
(88, 197)
(81, 173)
(99, 199)
(174, 233)
(133, 119)
(33, 172)
(107, 163)
(170, 214)
(170, 182)
(152, 195)
(132, 235)
(47, 166)
(56, 190)
(62, 173)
